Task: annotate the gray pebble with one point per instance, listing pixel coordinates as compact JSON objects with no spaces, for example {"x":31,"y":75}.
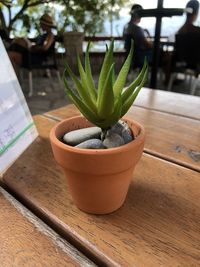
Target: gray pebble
{"x":78,"y":136}
{"x":123,"y":123}
{"x":121,"y":128}
{"x":117,"y":128}
{"x":127,"y":136}
{"x":113,"y":140}
{"x":91,"y":144}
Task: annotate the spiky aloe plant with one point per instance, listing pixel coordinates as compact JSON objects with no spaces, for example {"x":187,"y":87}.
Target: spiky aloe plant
{"x":108,"y":103}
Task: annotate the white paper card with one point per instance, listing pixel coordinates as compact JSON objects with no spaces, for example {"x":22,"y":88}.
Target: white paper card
{"x":17,"y":129}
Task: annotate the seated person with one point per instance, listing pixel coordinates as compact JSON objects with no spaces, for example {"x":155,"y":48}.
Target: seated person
{"x":192,"y":9}
{"x":21,"y":50}
{"x":142,"y":46}
{"x":188,"y":28}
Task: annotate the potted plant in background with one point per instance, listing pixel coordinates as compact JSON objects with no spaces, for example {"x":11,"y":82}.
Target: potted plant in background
{"x":73,"y":43}
{"x":99,"y":175}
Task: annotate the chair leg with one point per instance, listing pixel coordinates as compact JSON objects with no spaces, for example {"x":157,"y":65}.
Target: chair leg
{"x":161,"y":75}
{"x":48,"y":73}
{"x":59,"y":78}
{"x":30,"y":80}
{"x":172,"y":78}
{"x":194,"y":86}
{"x":190,"y":81}
{"x":21,"y":75}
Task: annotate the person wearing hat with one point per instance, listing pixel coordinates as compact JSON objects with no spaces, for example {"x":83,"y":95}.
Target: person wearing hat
{"x":21,"y":50}
{"x":192,"y":10}
{"x":188,"y":29}
{"x":142,"y":46}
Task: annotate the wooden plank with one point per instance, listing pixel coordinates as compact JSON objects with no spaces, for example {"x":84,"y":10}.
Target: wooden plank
{"x":26,"y":241}
{"x":173,"y":103}
{"x":157,"y":226}
{"x":171,"y":137}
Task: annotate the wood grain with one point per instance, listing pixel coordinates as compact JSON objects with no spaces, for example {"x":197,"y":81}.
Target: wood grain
{"x":173,"y":103}
{"x":157,"y":226}
{"x":23,"y":242}
{"x":171,"y":137}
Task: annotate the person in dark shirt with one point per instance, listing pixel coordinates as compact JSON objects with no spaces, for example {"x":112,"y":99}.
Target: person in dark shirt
{"x":187,"y":29}
{"x":142,"y":46}
{"x":21,"y":49}
{"x":192,"y":10}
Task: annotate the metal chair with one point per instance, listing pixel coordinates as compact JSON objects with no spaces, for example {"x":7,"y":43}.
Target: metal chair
{"x":50,"y":63}
{"x":186,"y":59}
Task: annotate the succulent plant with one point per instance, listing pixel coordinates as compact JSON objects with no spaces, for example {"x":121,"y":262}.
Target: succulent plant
{"x":111,"y":101}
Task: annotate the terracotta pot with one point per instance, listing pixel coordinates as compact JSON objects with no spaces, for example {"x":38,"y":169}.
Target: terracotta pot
{"x":98,"y":179}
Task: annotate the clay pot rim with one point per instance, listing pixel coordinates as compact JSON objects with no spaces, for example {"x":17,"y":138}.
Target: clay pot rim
{"x":114,"y":150}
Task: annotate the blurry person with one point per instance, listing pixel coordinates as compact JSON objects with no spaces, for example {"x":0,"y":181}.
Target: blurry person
{"x":192,"y":10}
{"x":21,"y":50}
{"x":142,"y":46}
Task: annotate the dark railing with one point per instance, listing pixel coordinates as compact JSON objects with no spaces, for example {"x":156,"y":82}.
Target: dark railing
{"x":96,"y":57}
{"x":102,"y":38}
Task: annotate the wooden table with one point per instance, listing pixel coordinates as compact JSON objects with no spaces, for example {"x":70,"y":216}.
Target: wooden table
{"x":159,"y":224}
{"x":27,"y":241}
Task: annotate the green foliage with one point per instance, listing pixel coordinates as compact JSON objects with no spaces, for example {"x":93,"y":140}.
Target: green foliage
{"x":107,"y":104}
{"x":70,"y":15}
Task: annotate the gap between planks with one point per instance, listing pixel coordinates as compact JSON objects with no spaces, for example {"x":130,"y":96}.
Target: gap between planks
{"x":69,"y":242}
{"x":65,"y":246}
{"x":71,"y":238}
{"x":146,"y":151}
{"x":166,"y":112}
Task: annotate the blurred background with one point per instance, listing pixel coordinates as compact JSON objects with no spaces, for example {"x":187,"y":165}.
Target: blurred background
{"x":97,"y":21}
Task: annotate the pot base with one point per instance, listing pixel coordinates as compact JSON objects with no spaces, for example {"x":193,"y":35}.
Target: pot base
{"x":92,"y":212}
{"x":99,"y":194}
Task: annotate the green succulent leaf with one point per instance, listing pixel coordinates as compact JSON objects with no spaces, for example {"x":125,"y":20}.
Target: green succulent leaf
{"x":121,"y":79}
{"x":82,"y":91}
{"x":90,"y":81}
{"x":114,"y":117}
{"x":129,"y":90}
{"x":84,"y":81}
{"x":107,"y":105}
{"x":108,"y":61}
{"x":129,"y":101}
{"x":113,"y":77}
{"x":105,"y":100}
{"x":84,"y":109}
